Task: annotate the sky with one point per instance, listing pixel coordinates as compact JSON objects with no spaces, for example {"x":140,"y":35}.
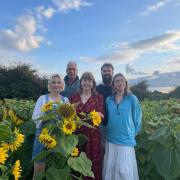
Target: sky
{"x":140,"y":38}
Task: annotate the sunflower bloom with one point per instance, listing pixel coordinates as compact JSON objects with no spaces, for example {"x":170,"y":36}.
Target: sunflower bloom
{"x":46,"y":107}
{"x":95,"y":117}
{"x":17,"y":170}
{"x":17,"y":141}
{"x":67,"y":111}
{"x":19,"y":121}
{"x":15,"y":119}
{"x":46,"y":139}
{"x":12,"y":115}
{"x":3,"y":155}
{"x":69,"y":126}
{"x":5,"y":113}
{"x":75,"y":152}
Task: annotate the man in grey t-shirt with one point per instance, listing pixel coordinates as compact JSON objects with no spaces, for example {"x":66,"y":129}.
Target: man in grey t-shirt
{"x":71,"y":80}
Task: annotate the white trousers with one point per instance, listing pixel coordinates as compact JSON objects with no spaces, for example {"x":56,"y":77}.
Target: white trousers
{"x":119,"y":163}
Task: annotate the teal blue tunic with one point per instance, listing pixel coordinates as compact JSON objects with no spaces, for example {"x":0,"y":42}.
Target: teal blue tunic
{"x":124,"y":120}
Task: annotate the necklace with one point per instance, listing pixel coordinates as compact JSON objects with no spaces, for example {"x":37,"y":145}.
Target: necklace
{"x":85,"y":98}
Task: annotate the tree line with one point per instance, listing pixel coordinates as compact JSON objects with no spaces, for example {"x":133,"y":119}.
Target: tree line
{"x":23,"y":82}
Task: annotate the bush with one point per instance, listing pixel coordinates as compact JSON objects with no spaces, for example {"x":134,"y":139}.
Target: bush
{"x":21,"y":82}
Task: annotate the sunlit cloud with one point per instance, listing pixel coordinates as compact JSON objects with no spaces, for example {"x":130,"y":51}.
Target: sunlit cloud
{"x":42,"y":11}
{"x":155,"y":7}
{"x":23,"y":36}
{"x":128,"y":52}
{"x":67,"y":5}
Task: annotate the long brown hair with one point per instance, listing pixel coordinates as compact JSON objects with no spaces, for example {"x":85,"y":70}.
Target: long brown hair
{"x":126,"y":89}
{"x":88,"y":76}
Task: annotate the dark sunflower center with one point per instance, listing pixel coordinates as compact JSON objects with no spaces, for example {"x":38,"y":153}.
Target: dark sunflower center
{"x":69,"y":126}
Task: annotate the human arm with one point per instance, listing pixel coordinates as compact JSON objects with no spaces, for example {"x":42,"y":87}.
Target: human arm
{"x":37,"y":111}
{"x":137,"y":114}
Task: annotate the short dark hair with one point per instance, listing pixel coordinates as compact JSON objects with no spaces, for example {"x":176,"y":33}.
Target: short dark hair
{"x":107,"y":65}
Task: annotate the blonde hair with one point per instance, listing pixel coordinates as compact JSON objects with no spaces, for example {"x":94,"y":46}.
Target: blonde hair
{"x":51,"y":79}
{"x":126,"y":89}
{"x":89,"y":76}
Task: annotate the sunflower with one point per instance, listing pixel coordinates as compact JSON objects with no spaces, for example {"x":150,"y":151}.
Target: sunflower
{"x":69,"y":126}
{"x":3,"y":155}
{"x":17,"y":141}
{"x":19,"y":121}
{"x":95,"y":117}
{"x":75,"y":152}
{"x":46,"y":139}
{"x":13,"y":116}
{"x":5,"y":113}
{"x":46,"y":107}
{"x":16,"y":171}
{"x":67,"y":111}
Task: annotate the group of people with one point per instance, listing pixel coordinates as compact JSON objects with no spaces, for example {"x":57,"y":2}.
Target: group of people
{"x":110,"y":146}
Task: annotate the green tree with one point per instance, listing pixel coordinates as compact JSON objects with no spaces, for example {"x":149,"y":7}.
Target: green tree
{"x":175,"y":93}
{"x":140,"y":90}
{"x":21,"y":82}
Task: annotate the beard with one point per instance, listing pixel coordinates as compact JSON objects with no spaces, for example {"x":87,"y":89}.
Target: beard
{"x":107,"y":79}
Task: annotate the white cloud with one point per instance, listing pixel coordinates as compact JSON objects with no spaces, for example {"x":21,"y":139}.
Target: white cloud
{"x":128,"y":52}
{"x":154,"y":8}
{"x":23,"y":36}
{"x":66,"y":5}
{"x":171,"y":64}
{"x":9,"y":58}
{"x":131,"y":70}
{"x":174,"y":60}
{"x":42,"y":11}
{"x":165,"y":42}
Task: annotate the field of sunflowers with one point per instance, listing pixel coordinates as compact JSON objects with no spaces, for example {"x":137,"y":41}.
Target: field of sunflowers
{"x":158,"y":149}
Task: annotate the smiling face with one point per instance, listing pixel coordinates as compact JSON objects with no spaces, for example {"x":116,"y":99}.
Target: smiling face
{"x":55,"y":85}
{"x":87,"y":84}
{"x":119,"y":84}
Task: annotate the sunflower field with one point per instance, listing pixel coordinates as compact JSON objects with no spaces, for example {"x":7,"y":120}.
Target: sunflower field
{"x":158,"y":144}
{"x":59,"y":136}
{"x":158,"y":149}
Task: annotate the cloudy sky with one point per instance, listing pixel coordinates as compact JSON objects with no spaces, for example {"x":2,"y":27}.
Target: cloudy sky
{"x":140,"y":38}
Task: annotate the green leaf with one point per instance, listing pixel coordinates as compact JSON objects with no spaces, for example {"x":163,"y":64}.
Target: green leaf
{"x":4,"y":178}
{"x":48,"y":116}
{"x":81,"y":164}
{"x":3,"y":168}
{"x":5,"y":133}
{"x":56,"y":160}
{"x":82,"y":139}
{"x":57,"y":174}
{"x":160,"y":135}
{"x":28,"y":128}
{"x":167,"y":161}
{"x":42,"y":155}
{"x":83,"y":123}
{"x":66,"y":144}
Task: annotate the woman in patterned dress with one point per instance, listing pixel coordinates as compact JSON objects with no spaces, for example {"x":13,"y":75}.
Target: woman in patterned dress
{"x":86,"y":101}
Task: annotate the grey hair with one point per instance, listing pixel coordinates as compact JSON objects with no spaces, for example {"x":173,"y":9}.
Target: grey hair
{"x":51,"y":79}
{"x":71,"y":62}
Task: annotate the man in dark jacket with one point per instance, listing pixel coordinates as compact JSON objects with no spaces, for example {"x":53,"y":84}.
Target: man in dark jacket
{"x":71,"y":80}
{"x":105,"y":89}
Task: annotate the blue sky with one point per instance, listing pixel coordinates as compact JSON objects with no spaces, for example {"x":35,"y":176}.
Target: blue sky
{"x":137,"y":37}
